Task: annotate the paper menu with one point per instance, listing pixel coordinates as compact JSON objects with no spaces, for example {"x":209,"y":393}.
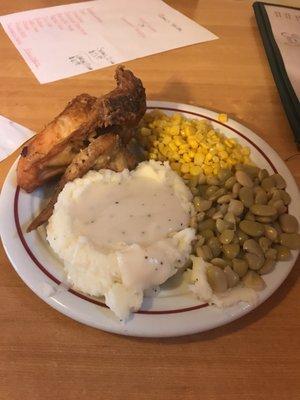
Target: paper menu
{"x":68,"y":40}
{"x":285,"y":25}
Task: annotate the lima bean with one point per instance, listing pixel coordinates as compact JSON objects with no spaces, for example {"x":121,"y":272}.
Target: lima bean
{"x":231,"y":276}
{"x":231,"y":250}
{"x":254,"y":281}
{"x":240,"y":266}
{"x":290,"y":240}
{"x":254,"y":261}
{"x":251,"y":246}
{"x":243,"y":178}
{"x":236,"y":207}
{"x":216,"y":278}
{"x":252,"y":228}
{"x":246,"y":196}
{"x":268,"y":266}
{"x":226,"y":236}
{"x":283,"y":253}
{"x":271,"y":233}
{"x":288,"y":223}
{"x":280,"y":183}
{"x":215,"y":246}
{"x":263,"y":210}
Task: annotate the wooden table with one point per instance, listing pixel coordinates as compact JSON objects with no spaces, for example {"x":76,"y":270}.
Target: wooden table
{"x":45,"y":355}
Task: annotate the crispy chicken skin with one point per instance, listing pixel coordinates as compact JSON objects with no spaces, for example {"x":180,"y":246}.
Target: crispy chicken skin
{"x":52,"y":141}
{"x":50,"y":152}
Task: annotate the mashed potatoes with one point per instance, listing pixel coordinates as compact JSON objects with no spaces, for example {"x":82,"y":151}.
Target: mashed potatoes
{"x":119,"y":234}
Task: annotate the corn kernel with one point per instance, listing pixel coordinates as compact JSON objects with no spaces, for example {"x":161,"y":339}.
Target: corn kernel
{"x":186,"y":157}
{"x":220,"y":147}
{"x":208,"y":157}
{"x":216,"y":170}
{"x":227,"y":143}
{"x":207,"y":169}
{"x":195,"y":170}
{"x":192,"y":142}
{"x":173,"y":146}
{"x":185,"y":168}
{"x":199,"y":138}
{"x":175,"y":166}
{"x":161,"y":147}
{"x":167,"y":139}
{"x":223,"y":155}
{"x":176,"y":117}
{"x":174,"y":130}
{"x":178,"y":140}
{"x":245,"y":151}
{"x":223,"y":118}
{"x":189,"y":130}
{"x":198,"y":159}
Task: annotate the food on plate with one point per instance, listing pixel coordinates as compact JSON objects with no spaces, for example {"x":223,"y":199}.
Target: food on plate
{"x":191,"y":146}
{"x":85,"y":118}
{"x":120,"y":233}
{"x":223,"y":118}
{"x":197,"y":206}
{"x":48,"y":153}
{"x":243,"y":228}
{"x":206,"y":280}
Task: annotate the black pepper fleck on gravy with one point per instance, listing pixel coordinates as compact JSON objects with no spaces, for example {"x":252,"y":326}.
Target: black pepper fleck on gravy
{"x":137,"y":211}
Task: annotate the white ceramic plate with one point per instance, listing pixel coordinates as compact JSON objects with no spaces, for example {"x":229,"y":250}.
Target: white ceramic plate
{"x":174,"y":311}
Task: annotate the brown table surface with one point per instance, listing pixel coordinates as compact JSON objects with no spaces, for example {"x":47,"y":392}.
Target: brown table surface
{"x":45,"y":355}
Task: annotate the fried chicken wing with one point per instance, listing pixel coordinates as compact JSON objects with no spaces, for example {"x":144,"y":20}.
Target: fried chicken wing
{"x":50,"y":152}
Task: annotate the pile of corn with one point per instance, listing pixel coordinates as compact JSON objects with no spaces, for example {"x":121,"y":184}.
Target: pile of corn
{"x":191,"y":146}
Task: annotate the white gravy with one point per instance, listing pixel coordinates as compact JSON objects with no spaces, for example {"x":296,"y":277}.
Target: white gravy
{"x":140,"y":211}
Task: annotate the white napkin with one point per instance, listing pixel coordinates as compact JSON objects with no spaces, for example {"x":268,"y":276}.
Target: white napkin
{"x":12,"y":135}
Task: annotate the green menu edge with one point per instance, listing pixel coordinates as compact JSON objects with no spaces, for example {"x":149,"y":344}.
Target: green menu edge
{"x":287,"y":94}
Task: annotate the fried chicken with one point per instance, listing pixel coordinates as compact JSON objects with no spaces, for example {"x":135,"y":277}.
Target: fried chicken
{"x":48,"y":153}
{"x":84,"y":119}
